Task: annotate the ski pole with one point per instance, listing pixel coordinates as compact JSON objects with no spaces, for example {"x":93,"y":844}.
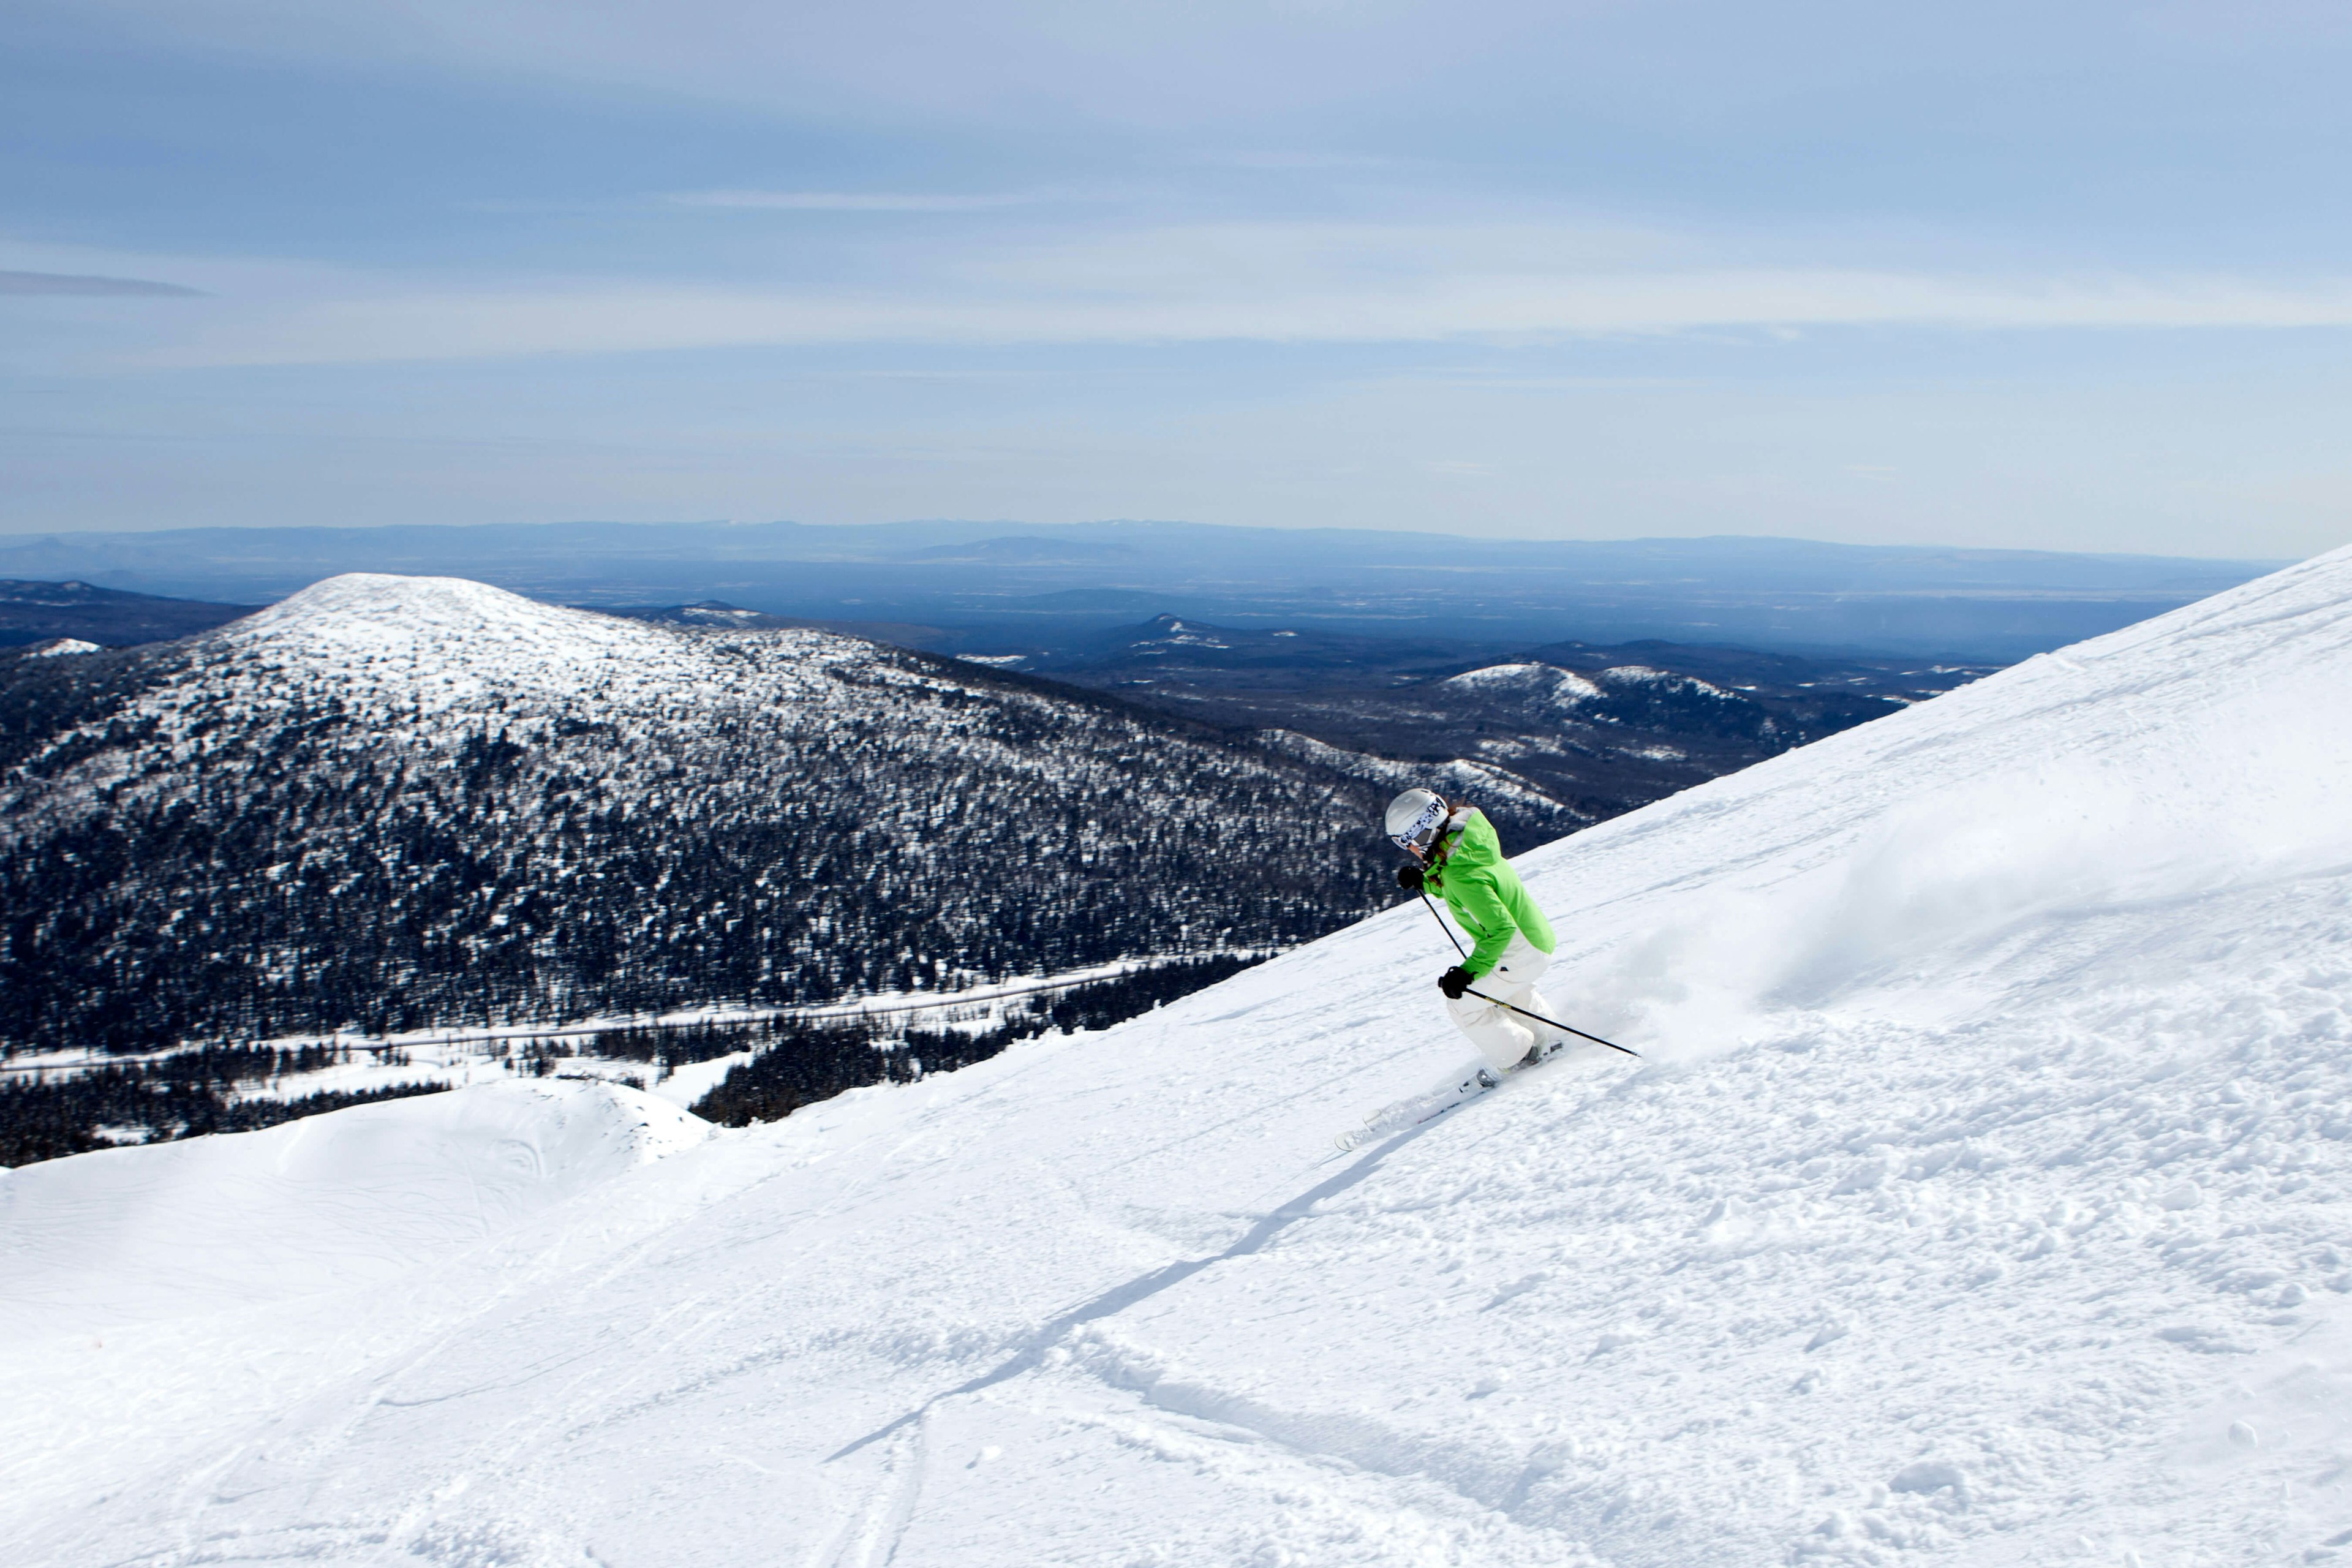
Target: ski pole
{"x":1498,"y":1002}
{"x":1555,"y":1023}
{"x":1443,"y":927}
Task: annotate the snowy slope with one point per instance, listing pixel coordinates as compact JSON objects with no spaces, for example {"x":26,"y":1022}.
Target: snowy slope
{"x":1987,"y":1198}
{"x":353,"y":1198}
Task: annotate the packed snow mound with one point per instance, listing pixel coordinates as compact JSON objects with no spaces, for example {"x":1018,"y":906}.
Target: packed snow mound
{"x":61,"y":647}
{"x":351,"y":1198}
{"x":1985,"y":1198}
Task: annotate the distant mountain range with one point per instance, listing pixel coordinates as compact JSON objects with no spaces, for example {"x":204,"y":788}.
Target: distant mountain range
{"x":1053,"y":583}
{"x":1602,"y":730}
{"x":42,"y":611}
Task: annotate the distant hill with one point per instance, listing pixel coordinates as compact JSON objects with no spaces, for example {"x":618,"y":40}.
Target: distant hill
{"x":42,"y":611}
{"x":710,"y":615}
{"x":1602,"y":730}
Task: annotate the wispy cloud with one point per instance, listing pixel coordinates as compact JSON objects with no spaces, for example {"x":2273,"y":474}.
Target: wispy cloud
{"x":848,"y":201}
{"x":1315,"y":161}
{"x":504,"y":324}
{"x":1113,"y":283}
{"x":74,"y":283}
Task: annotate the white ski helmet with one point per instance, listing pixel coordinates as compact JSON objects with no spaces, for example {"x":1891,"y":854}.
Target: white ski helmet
{"x":1415,"y":818}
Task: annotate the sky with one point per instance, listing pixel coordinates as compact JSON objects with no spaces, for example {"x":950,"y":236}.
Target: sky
{"x":2000,"y":275}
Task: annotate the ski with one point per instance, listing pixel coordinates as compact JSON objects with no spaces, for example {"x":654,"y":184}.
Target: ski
{"x":1405,"y":1113}
{"x":1398,"y":1115}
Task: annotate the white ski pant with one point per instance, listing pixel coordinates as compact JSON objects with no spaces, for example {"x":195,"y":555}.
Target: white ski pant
{"x":1502,"y":1036}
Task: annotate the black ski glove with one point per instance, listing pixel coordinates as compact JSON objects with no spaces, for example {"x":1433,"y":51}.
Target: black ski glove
{"x":1409,"y":878}
{"x":1454,"y":982}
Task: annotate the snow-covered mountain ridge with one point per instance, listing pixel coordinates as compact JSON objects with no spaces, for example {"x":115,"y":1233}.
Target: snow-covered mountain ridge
{"x":1987,"y":1198}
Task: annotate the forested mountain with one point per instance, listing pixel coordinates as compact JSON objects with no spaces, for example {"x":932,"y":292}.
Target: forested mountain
{"x":392,"y":801}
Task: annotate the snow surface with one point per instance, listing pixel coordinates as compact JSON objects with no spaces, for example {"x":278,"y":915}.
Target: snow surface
{"x":1987,"y":1198}
{"x":61,"y":647}
{"x":350,"y":1199}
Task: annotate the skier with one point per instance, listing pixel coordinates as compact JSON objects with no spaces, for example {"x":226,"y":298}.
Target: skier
{"x":1456,"y":855}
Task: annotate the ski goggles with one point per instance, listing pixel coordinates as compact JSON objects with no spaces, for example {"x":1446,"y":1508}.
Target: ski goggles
{"x":1417,"y":838}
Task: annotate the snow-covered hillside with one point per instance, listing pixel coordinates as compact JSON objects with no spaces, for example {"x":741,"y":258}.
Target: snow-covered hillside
{"x":1985,"y":1198}
{"x":364,"y":1197}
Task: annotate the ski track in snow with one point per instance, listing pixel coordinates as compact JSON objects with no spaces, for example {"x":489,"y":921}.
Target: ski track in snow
{"x":1983,"y":1199}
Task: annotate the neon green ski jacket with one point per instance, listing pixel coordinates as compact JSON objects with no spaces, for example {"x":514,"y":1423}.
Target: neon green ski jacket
{"x":1487,"y":896}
